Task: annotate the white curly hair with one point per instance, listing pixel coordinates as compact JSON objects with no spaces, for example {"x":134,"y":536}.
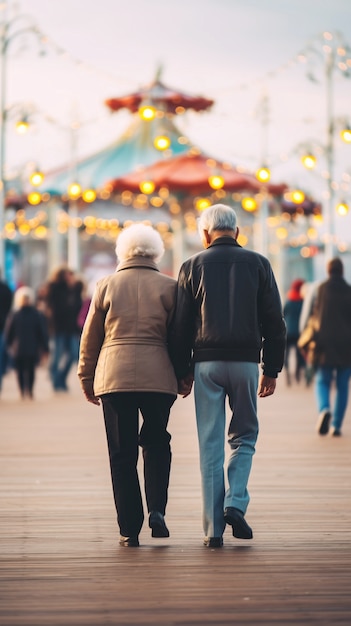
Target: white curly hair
{"x":139,"y":240}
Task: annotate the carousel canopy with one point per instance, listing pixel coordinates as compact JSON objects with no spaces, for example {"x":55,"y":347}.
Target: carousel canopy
{"x":190,"y":173}
{"x":133,"y":150}
{"x":163,"y":97}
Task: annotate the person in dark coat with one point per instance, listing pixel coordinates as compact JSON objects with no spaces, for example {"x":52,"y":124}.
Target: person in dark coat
{"x":332,"y":310}
{"x":6,"y":297}
{"x":292,"y":312}
{"x":63,"y":304}
{"x":26,"y":339}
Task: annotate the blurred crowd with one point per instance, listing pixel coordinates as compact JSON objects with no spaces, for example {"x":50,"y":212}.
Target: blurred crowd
{"x":42,"y":327}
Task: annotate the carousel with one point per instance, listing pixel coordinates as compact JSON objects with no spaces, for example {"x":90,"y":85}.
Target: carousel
{"x":152,"y":173}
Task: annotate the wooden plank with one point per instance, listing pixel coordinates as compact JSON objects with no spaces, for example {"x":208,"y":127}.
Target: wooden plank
{"x":60,"y":559}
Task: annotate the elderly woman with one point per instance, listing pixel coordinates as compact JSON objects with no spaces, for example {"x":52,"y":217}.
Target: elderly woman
{"x":124,"y":362}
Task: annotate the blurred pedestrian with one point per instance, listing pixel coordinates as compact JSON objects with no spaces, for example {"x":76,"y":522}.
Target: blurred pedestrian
{"x":228,"y":311}
{"x":26,"y":339}
{"x":6,"y":297}
{"x":124,"y":361}
{"x":292,"y":311}
{"x":63,"y":303}
{"x":332,"y":313}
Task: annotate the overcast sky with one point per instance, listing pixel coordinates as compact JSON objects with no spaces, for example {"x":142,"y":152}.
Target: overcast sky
{"x":231,"y":50}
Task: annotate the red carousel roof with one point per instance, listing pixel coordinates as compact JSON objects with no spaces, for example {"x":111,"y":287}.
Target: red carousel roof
{"x":189,"y":173}
{"x":158,"y":94}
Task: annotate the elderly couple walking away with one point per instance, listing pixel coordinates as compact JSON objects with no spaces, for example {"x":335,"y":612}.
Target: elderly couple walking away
{"x":147,"y":338}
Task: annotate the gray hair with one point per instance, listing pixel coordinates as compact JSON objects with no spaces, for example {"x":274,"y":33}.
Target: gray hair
{"x":217,"y":217}
{"x":139,"y":240}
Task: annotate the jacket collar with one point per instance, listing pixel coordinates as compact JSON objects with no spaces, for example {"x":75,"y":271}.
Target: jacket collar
{"x":224,"y":240}
{"x":138,"y":261}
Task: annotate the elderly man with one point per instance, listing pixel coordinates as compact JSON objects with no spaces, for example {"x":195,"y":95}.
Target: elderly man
{"x":228,"y":316}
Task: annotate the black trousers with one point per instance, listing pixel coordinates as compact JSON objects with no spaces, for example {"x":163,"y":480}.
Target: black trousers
{"x":25,"y":368}
{"x":121,"y":414}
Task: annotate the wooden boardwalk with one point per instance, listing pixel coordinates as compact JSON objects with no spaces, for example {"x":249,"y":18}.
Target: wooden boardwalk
{"x":60,"y":559}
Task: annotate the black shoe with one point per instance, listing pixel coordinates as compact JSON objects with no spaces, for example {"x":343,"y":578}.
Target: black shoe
{"x":336,"y":432}
{"x":323,"y":422}
{"x":129,"y":542}
{"x":213,"y":542}
{"x":158,"y":525}
{"x":235,"y":518}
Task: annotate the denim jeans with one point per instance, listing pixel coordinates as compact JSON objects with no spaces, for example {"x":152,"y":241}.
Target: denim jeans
{"x":324,"y":378}
{"x":65,"y":352}
{"x":214,"y":382}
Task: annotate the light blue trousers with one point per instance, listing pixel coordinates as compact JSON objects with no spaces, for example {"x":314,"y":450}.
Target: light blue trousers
{"x":214,"y":382}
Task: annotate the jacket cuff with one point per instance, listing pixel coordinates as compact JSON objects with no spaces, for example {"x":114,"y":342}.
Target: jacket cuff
{"x":270,"y":373}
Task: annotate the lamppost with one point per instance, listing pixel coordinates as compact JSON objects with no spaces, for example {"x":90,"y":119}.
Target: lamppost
{"x":336,"y":57}
{"x":9,"y":30}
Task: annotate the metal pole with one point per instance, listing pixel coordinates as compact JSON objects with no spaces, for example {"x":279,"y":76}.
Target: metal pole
{"x":329,"y":153}
{"x":3,"y":28}
{"x":73,"y":234}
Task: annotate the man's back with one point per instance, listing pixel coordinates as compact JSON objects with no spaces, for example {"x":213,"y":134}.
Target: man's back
{"x":231,"y":296}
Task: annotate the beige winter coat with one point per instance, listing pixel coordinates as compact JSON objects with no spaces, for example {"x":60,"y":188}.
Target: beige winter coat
{"x":124,"y":339}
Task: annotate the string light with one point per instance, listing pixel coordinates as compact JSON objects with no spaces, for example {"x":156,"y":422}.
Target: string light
{"x":36,"y":178}
{"x":34,"y":198}
{"x":147,"y":186}
{"x":147,"y":113}
{"x":74,"y":190}
{"x":162,"y":142}
{"x":309,"y":161}
{"x":216,"y":181}
{"x":345,"y":135}
{"x":342,"y":208}
{"x":249,"y":204}
{"x":89,"y":195}
{"x":263,"y":174}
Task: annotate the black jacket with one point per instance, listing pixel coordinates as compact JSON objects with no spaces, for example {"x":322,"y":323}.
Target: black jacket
{"x":228,"y":309}
{"x":26,"y":333}
{"x":333,"y":312}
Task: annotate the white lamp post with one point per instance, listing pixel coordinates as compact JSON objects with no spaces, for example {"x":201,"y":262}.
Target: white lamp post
{"x":9,"y":30}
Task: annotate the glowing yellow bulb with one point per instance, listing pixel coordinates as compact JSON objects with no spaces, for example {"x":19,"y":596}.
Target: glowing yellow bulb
{"x":346,"y":135}
{"x":89,"y":195}
{"x":342,"y":208}
{"x":249,"y":204}
{"x":263,"y":174}
{"x":297,"y":196}
{"x":40,"y":232}
{"x":34,"y":198}
{"x":147,"y":186}
{"x":216,"y":181}
{"x":162,"y":142}
{"x":202,"y":203}
{"x":281,"y":233}
{"x":22,"y":126}
{"x":36,"y":178}
{"x":309,"y":161}
{"x":147,"y":113}
{"x":74,"y":191}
